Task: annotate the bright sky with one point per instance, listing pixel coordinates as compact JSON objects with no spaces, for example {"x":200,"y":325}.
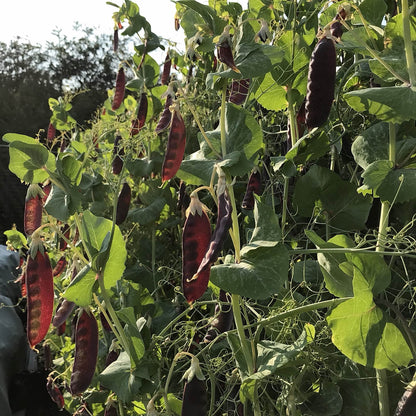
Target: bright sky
{"x":35,"y":20}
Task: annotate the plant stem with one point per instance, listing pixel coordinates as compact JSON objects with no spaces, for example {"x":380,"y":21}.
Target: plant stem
{"x":297,"y":311}
{"x":411,"y":68}
{"x":222,"y":122}
{"x":381,"y":375}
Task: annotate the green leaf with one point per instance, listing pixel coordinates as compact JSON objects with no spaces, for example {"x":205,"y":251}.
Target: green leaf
{"x":260,"y":274}
{"x":267,"y":226}
{"x":376,"y":173}
{"x":60,"y":204}
{"x":119,"y":377}
{"x":207,"y":13}
{"x":16,"y":238}
{"x":392,"y":185}
{"x":307,"y":271}
{"x":373,"y":11}
{"x":80,"y":289}
{"x":272,"y":355}
{"x":362,"y":332}
{"x":323,"y":192}
{"x":235,"y":345}
{"x":336,"y":281}
{"x":149,"y":214}
{"x":309,"y":148}
{"x":328,"y":401}
{"x":371,"y":145}
{"x":270,"y":94}
{"x":94,"y":230}
{"x":372,"y":268}
{"x":196,"y":172}
{"x":28,"y":158}
{"x":392,"y":104}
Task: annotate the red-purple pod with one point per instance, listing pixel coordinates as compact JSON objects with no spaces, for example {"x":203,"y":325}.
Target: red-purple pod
{"x":115,"y":40}
{"x":111,"y":357}
{"x":59,"y":266}
{"x":39,"y":292}
{"x":224,"y":51}
{"x":62,"y":313}
{"x":183,"y":198}
{"x":407,"y":403}
{"x":239,"y":90}
{"x":119,"y":90}
{"x":176,"y":144}
{"x":117,"y":163}
{"x":223,"y":225}
{"x":54,"y":393}
{"x":253,"y":187}
{"x":86,"y":351}
{"x":321,"y":83}
{"x":164,"y":79}
{"x":104,"y":323}
{"x":194,"y":400}
{"x":123,"y":203}
{"x":177,"y":21}
{"x":63,"y":242}
{"x":138,"y":122}
{"x":110,"y":409}
{"x":196,"y":236}
{"x":51,"y":132}
{"x":223,"y":320}
{"x":33,"y":209}
{"x":61,"y":329}
{"x":166,"y":116}
{"x":336,"y":29}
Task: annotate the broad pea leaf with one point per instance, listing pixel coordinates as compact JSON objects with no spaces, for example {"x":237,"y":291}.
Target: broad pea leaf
{"x":94,"y":230}
{"x":81,"y":287}
{"x":148,"y":214}
{"x":270,"y":94}
{"x":337,"y":281}
{"x":260,"y":274}
{"x":307,"y":271}
{"x":265,"y":260}
{"x":362,"y":332}
{"x":208,"y":14}
{"x":392,"y":104}
{"x":61,"y":204}
{"x":327,"y":402}
{"x":309,"y":148}
{"x":272,"y":355}
{"x":371,"y":145}
{"x":235,"y":345}
{"x":323,"y":191}
{"x":28,"y":157}
{"x":392,"y":185}
{"x":373,"y":11}
{"x":125,"y":382}
{"x":244,"y":140}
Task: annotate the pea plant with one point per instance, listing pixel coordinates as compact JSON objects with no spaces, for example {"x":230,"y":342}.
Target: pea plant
{"x":238,"y":219}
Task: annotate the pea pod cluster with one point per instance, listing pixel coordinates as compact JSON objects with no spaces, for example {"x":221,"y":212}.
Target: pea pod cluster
{"x":222,"y":226}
